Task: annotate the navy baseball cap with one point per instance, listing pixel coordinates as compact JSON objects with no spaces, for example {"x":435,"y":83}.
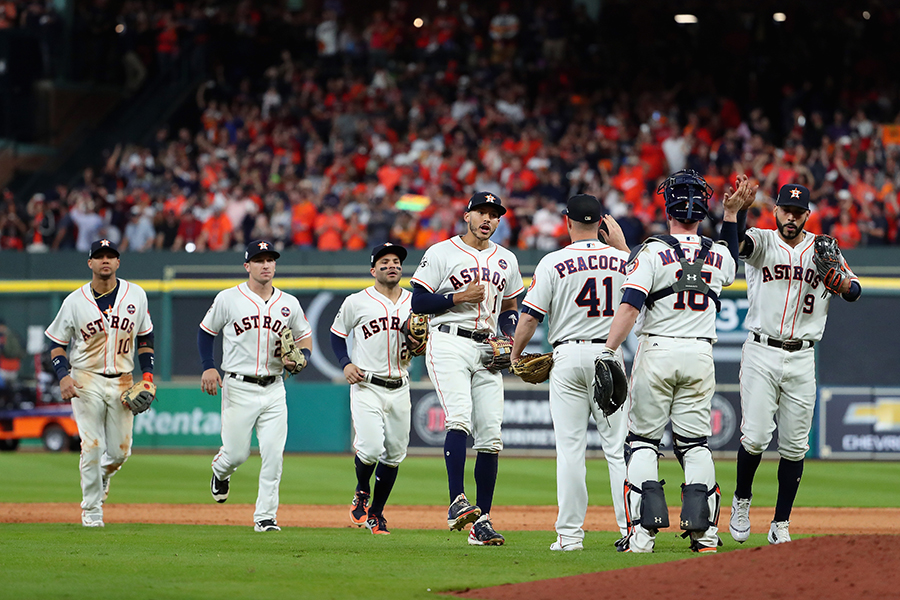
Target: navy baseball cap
{"x":482,"y":198}
{"x":104,"y":245}
{"x":584,"y":208}
{"x":388,"y":248}
{"x":257,"y":247}
{"x":793,"y":194}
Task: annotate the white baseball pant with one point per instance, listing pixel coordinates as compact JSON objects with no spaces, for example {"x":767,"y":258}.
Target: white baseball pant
{"x":381,"y":420}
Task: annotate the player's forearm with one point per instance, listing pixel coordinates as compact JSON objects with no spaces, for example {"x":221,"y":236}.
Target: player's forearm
{"x":305,"y":346}
{"x":60,"y":361}
{"x":205,"y":347}
{"x":426,"y":303}
{"x":621,"y":326}
{"x":339,"y":347}
{"x":524,"y":332}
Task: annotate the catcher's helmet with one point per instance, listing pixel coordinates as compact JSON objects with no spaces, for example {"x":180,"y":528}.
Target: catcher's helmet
{"x":687,"y":195}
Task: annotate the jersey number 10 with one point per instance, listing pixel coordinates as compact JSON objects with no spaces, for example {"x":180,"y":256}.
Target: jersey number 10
{"x":587,"y":297}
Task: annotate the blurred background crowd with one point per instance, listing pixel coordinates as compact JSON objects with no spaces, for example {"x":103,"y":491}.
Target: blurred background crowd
{"x":323,"y":125}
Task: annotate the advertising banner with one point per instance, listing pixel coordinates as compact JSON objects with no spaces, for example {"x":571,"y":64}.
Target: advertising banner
{"x":859,"y":423}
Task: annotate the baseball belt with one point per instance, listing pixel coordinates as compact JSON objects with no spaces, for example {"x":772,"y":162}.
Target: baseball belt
{"x":391,"y":384}
{"x":113,"y":376}
{"x":786,"y":345}
{"x":593,"y":341}
{"x":260,"y":381}
{"x":702,"y":339}
{"x":472,"y":335}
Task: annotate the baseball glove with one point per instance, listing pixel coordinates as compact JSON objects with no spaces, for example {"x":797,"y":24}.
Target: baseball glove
{"x":533,"y":368}
{"x":290,"y":351}
{"x":138,"y":397}
{"x":610,"y":384}
{"x":415,"y":328}
{"x":829,"y":263}
{"x":498,"y":355}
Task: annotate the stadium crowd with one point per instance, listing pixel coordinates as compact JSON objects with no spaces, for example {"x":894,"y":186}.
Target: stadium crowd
{"x":339,"y":133}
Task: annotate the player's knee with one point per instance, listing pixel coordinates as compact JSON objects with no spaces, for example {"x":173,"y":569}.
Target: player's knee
{"x":696,"y":447}
{"x":793,"y":453}
{"x":635,"y":443}
{"x":755,"y":446}
{"x":367,"y":456}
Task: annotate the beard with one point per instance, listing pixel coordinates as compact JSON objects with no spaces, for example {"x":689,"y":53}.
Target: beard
{"x":787,"y":234}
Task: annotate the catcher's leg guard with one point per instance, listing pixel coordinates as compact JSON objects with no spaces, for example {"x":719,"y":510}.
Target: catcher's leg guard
{"x":694,"y":507}
{"x":645,"y":505}
{"x":701,"y":498}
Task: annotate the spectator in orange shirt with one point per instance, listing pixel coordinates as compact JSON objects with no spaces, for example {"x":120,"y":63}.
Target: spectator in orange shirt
{"x":355,"y":235}
{"x":330,"y":226}
{"x":303,"y":218}
{"x":403,"y":232}
{"x":216,"y":233}
{"x":846,"y":232}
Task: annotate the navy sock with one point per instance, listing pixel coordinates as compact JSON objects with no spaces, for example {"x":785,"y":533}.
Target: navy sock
{"x":746,"y":470}
{"x":385,"y":477}
{"x":363,"y":474}
{"x":486,"y":479}
{"x":789,"y":474}
{"x":455,"y":458}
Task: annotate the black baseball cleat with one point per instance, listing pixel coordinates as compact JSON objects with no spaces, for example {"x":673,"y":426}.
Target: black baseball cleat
{"x":358,"y":512}
{"x":461,"y":513}
{"x":266,"y":525}
{"x":483,"y":534}
{"x":219,"y":489}
{"x":377,"y":524}
{"x":621,"y":544}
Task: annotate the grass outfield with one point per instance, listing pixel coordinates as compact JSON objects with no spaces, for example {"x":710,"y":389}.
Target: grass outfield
{"x":124,"y":561}
{"x":329,"y":479}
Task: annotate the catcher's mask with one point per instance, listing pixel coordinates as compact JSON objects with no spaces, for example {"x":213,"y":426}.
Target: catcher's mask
{"x":687,"y":195}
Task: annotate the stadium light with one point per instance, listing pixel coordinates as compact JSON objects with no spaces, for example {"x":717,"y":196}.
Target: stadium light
{"x":866,"y":15}
{"x":779,"y":17}
{"x":418,"y":22}
{"x":685,"y":19}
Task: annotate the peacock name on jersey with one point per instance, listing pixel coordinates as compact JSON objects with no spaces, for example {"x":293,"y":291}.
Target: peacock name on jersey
{"x":96,"y":326}
{"x":254,"y":322}
{"x":791,"y":273}
{"x":380,"y":324}
{"x":592,"y":262}
{"x":466,"y":276}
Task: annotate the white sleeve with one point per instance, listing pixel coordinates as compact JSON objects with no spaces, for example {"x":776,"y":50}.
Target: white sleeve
{"x":61,"y":329}
{"x":640,"y":272}
{"x":145,"y":325}
{"x":514,"y":285}
{"x":540,"y":293}
{"x":344,"y":319}
{"x":758,"y":255}
{"x":430,"y":272}
{"x":300,"y":325}
{"x":215,"y":317}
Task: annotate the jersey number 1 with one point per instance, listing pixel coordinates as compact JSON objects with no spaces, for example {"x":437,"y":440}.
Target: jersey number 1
{"x":588,"y":297}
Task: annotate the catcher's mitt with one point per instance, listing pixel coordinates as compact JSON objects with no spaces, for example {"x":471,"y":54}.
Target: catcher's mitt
{"x":498,"y":354}
{"x":610,"y":384}
{"x":290,"y":352}
{"x":829,"y":263}
{"x":138,"y":397}
{"x":415,"y":328}
{"x":533,"y":368}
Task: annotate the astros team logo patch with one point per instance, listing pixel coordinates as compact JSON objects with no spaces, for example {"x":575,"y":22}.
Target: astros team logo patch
{"x":285,"y":311}
{"x":503,"y":264}
{"x":131,"y":309}
{"x":631,"y":266}
{"x":531,"y":287}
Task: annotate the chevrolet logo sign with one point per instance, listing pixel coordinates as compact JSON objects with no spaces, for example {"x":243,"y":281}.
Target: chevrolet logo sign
{"x":883,"y":414}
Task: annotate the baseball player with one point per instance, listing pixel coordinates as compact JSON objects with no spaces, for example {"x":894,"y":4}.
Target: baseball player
{"x":379,"y":382}
{"x":577,"y":288}
{"x":671,"y":291}
{"x":778,"y":373}
{"x":99,"y":328}
{"x":469,"y":285}
{"x":251,"y":316}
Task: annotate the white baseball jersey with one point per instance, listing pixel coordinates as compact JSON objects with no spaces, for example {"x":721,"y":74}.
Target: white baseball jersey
{"x":450,"y":266}
{"x":784,"y":288}
{"x":103,"y":341}
{"x":252,"y":329}
{"x":378,"y":346}
{"x":576,"y":286}
{"x":684,"y":314}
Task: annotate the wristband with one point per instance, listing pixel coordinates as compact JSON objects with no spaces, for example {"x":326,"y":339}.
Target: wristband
{"x":61,"y":366}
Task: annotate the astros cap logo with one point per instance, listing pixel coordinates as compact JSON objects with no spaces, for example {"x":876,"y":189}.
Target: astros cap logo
{"x":104,"y":242}
{"x":263,"y":246}
{"x":795,"y":193}
{"x":490,"y":198}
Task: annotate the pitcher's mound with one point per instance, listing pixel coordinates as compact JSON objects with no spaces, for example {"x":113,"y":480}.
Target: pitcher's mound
{"x":821,"y":568}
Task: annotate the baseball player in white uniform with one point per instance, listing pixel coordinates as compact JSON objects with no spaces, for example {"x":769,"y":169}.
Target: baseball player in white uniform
{"x":578,"y":288}
{"x":671,"y":291}
{"x":469,"y":285}
{"x":778,"y":372}
{"x":251,"y":317}
{"x":379,"y":381}
{"x":100,"y":326}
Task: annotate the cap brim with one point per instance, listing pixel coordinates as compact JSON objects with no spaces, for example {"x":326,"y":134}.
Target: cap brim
{"x":400,"y":251}
{"x":500,"y":209}
{"x":99,"y":250}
